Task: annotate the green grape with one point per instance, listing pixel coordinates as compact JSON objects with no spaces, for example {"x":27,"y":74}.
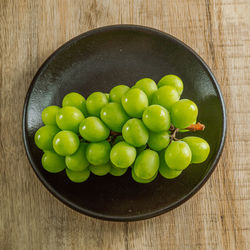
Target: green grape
{"x":93,"y":129}
{"x":172,"y":80}
{"x":95,"y":102}
{"x":148,"y":86}
{"x":140,"y":149}
{"x":78,"y":160}
{"x":69,"y":118}
{"x":97,"y":153}
{"x":118,"y":139}
{"x":49,"y":115}
{"x":165,"y":96}
{"x":76,"y":100}
{"x":146,"y":164}
{"x":108,"y":97}
{"x":114,"y":116}
{"x":117,"y":171}
{"x":117,"y":92}
{"x":134,"y":102}
{"x":135,"y":133}
{"x":78,"y":176}
{"x":199,"y":147}
{"x":156,"y":118}
{"x":169,"y":173}
{"x":178,"y":155}
{"x":164,"y":170}
{"x":140,"y":180}
{"x":66,"y":143}
{"x":122,"y":155}
{"x":44,"y":136}
{"x":53,"y":162}
{"x":85,"y":111}
{"x":184,"y":113}
{"x":100,"y":170}
{"x":158,"y":141}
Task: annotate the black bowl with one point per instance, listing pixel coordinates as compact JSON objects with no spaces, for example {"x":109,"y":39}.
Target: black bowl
{"x":97,"y":61}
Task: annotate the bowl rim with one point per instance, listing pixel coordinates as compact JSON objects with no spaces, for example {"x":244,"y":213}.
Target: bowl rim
{"x":130,"y":217}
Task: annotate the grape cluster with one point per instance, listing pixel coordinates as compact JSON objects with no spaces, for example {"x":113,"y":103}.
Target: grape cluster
{"x":129,"y":127}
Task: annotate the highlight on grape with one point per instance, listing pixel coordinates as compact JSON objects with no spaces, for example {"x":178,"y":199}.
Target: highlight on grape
{"x":129,"y":129}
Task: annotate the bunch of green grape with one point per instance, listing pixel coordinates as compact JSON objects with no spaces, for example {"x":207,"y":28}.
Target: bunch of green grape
{"x":128,"y":128}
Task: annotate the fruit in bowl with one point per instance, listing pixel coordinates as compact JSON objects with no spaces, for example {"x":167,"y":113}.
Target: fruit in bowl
{"x":133,"y":127}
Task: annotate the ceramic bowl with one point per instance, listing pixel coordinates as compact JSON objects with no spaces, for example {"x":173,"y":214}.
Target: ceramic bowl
{"x":97,"y":61}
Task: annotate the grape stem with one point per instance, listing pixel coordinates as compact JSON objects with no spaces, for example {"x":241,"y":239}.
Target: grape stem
{"x":113,"y":133}
{"x":173,"y":134}
{"x":172,"y":128}
{"x":196,"y":127}
{"x":113,"y":136}
{"x":193,"y":127}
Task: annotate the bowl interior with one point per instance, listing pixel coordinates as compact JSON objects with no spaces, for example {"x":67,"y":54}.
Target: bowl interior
{"x":97,"y":61}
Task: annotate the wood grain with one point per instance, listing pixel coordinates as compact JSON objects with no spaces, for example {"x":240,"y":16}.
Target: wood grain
{"x":218,"y":217}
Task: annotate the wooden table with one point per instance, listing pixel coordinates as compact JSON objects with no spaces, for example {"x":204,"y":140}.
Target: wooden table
{"x":217,"y":217}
